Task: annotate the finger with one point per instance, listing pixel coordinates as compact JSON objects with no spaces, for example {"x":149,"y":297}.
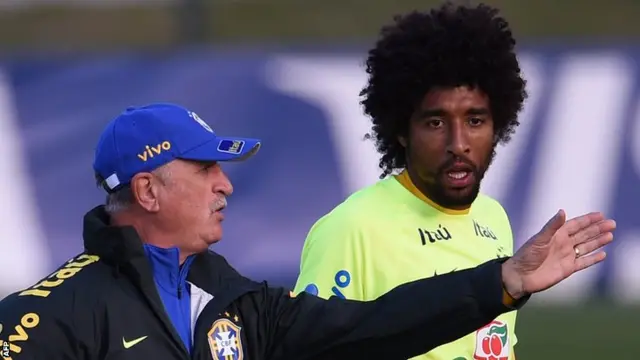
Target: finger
{"x":578,"y":223}
{"x":594,"y":244}
{"x":593,"y":230}
{"x":590,"y":260}
{"x":553,"y":225}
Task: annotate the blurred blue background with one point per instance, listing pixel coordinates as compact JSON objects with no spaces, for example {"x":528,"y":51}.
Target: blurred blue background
{"x":289,"y":72}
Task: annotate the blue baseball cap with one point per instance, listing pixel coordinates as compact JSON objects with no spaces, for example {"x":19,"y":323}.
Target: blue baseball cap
{"x":144,"y":138}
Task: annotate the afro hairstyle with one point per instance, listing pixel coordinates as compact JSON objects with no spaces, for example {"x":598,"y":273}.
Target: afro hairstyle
{"x":447,"y":47}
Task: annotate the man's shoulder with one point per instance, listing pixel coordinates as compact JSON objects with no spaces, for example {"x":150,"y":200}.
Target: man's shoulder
{"x":362,"y":207}
{"x":211,"y":270}
{"x":376,"y":193}
{"x":488,"y":205}
{"x":210,"y":262}
{"x":83,"y":273}
{"x":69,"y":291}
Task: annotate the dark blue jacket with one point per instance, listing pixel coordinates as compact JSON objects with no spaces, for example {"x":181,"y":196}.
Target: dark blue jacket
{"x":105,"y":304}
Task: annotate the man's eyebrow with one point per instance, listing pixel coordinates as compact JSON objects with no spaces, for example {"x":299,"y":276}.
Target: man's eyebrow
{"x":431,"y":113}
{"x":478,"y":111}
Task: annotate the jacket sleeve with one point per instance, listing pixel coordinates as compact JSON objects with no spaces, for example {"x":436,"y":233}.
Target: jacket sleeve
{"x":38,"y":328}
{"x":409,"y":320}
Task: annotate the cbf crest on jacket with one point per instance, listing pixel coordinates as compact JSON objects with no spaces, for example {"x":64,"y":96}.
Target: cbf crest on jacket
{"x":103,"y":304}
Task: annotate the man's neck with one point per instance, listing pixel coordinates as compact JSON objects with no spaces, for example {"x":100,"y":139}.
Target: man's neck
{"x":148,"y":233}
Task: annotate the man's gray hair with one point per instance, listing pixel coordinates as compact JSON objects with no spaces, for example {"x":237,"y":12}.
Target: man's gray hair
{"x":119,"y":200}
{"x":122,"y":199}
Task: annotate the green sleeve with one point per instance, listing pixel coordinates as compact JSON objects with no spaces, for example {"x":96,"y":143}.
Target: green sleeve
{"x":332,"y":259}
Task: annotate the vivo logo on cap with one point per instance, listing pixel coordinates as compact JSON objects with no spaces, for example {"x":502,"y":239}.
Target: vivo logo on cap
{"x":151,"y":151}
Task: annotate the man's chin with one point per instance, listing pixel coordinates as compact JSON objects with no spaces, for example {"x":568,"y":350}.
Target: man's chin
{"x":460,"y":198}
{"x":213,"y":241}
{"x":214,"y":235}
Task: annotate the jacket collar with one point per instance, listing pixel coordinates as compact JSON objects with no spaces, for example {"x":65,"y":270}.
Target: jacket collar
{"x":122,"y":247}
{"x":117,"y":245}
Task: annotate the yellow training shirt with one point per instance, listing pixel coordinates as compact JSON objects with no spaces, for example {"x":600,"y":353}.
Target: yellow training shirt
{"x":389,"y":234}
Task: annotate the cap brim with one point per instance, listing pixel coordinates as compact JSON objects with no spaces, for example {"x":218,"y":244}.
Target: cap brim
{"x":224,"y":149}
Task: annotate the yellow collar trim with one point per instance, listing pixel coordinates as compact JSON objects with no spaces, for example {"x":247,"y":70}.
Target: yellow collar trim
{"x":404,"y":179}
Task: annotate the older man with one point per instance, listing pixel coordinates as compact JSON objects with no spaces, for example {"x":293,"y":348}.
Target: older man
{"x":146,"y":287}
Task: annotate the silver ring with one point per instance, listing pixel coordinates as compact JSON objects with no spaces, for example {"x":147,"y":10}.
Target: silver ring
{"x":577,"y":251}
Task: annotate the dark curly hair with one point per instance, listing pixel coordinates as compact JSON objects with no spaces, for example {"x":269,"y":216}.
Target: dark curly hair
{"x":446,"y":47}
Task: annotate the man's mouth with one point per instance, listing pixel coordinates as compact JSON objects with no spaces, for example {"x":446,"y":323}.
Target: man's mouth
{"x":219,"y":205}
{"x":459,"y":175}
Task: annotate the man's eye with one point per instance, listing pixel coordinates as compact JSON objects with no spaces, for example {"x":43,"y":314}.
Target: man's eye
{"x":435,"y":123}
{"x":475,"y":121}
{"x":206,"y":167}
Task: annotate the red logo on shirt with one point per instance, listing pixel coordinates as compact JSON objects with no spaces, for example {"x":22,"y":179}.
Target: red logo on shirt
{"x":492,"y":342}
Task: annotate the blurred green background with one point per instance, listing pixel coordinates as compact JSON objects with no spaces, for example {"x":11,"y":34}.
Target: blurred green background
{"x":135,"y":24}
{"x":596,"y":330}
{"x":586,"y":332}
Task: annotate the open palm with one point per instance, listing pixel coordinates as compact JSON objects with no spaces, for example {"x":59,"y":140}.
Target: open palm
{"x":559,"y":250}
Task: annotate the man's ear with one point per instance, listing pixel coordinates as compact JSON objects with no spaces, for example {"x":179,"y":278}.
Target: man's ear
{"x":403,"y":141}
{"x":145,"y":191}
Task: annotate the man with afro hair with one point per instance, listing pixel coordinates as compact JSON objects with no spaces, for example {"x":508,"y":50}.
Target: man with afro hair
{"x":444,"y":90}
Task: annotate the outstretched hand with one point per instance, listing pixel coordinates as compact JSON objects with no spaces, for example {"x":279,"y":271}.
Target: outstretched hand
{"x":559,"y":250}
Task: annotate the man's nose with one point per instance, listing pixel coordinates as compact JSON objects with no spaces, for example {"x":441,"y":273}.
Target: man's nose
{"x":223,"y":184}
{"x":458,"y":143}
